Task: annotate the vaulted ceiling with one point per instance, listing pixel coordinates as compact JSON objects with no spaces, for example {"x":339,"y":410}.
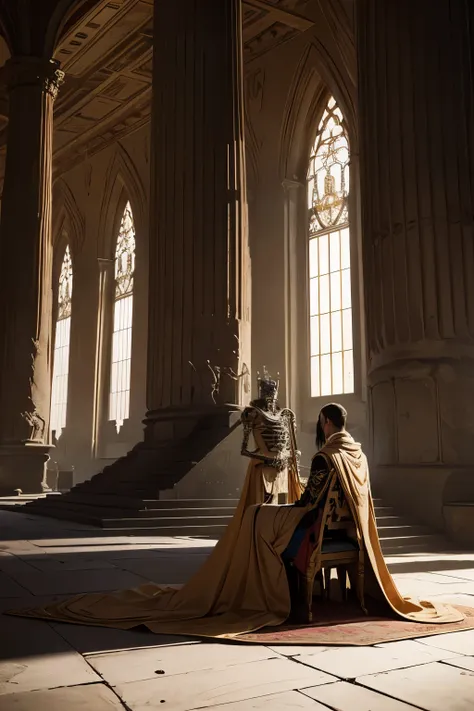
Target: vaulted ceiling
{"x":106,"y":51}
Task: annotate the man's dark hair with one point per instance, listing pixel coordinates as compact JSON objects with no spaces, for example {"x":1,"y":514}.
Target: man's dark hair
{"x":335,"y":414}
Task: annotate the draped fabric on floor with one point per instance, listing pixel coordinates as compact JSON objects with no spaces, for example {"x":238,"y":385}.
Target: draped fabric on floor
{"x":243,"y":586}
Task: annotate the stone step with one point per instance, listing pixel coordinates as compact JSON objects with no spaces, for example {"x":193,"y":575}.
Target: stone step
{"x":402,"y":530}
{"x":159,"y":481}
{"x":101,"y":513}
{"x":110,"y":518}
{"x":188,"y":503}
{"x":121,"y":501}
{"x":155,"y":504}
{"x":143,"y":513}
{"x":61,"y":512}
{"x":180,"y":519}
{"x":137,"y":527}
{"x":213,"y":532}
{"x":395,"y":520}
{"x":7,"y":502}
{"x":193,"y":512}
{"x":406,"y":539}
{"x":139,"y":505}
{"x":172,"y":512}
{"x":433,"y":543}
{"x":106,"y":500}
{"x":178,"y":522}
{"x":407,"y":550}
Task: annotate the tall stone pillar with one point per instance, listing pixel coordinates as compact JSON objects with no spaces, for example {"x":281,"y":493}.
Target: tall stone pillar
{"x":199,"y":269}
{"x":25,"y":274}
{"x":199,"y":263}
{"x":416,"y":104}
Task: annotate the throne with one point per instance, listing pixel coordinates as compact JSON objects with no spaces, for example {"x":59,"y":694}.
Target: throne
{"x":337,"y":548}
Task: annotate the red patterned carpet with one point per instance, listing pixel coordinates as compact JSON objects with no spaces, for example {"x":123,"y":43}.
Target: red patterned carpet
{"x":348,"y":627}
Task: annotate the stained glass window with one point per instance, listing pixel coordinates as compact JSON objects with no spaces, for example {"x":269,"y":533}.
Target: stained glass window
{"x":119,"y":399}
{"x":330,"y":299}
{"x":61,"y":348}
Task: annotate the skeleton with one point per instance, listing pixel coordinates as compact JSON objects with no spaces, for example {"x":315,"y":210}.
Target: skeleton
{"x":273,"y":433}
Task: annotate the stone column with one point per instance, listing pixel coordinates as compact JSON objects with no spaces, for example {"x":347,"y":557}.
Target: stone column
{"x":199,"y":262}
{"x":416,"y":107}
{"x":25,"y":274}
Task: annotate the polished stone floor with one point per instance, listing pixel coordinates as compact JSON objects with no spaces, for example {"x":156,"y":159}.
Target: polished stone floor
{"x":58,"y":667}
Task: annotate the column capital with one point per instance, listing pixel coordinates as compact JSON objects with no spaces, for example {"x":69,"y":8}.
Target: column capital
{"x":33,"y":71}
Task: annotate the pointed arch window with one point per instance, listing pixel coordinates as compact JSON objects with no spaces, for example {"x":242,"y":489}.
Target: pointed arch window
{"x":330,"y":299}
{"x":119,"y":397}
{"x":61,"y":348}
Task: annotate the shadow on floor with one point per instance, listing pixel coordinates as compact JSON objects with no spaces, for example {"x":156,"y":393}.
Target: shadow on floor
{"x":429,"y":566}
{"x":44,"y":556}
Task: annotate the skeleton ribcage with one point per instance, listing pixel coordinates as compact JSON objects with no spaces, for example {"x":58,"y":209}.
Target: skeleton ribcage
{"x":275,"y":435}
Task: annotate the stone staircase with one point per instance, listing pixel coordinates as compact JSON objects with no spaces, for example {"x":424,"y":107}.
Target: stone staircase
{"x":132,"y":495}
{"x":118,"y":515}
{"x":400,"y":534}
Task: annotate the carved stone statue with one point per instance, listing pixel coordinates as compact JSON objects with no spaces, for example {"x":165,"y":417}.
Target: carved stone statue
{"x":37,"y":425}
{"x":275,"y":459}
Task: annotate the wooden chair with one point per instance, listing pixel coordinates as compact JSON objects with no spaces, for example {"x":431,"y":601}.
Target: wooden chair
{"x":343,"y":553}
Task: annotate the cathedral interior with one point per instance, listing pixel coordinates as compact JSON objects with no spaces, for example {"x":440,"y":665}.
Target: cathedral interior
{"x":196,"y":194}
{"x":193,"y":192}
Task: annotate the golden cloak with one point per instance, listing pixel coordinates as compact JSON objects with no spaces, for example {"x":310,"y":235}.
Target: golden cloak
{"x":243,"y":585}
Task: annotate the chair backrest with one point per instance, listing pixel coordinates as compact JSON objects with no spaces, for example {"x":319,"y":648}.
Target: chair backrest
{"x":338,"y":515}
